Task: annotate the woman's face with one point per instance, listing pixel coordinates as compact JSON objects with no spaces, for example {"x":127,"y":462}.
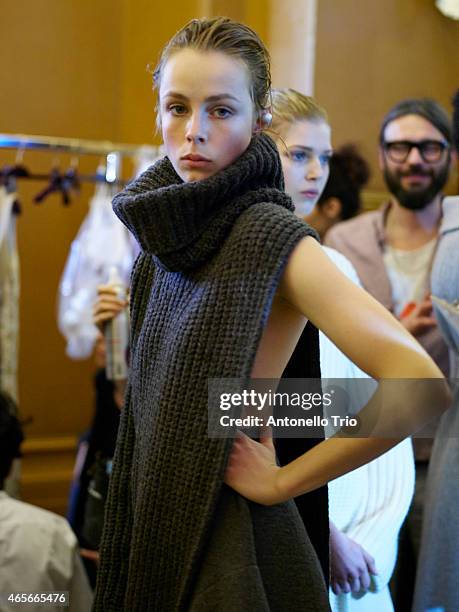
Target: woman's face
{"x":306,"y":162}
{"x":207,"y":113}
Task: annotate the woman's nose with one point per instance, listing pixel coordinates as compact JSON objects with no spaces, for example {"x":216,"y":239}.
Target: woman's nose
{"x":314,"y":169}
{"x":196,"y":129}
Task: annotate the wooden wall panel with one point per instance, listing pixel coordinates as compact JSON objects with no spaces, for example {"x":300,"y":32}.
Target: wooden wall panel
{"x":47,"y":467}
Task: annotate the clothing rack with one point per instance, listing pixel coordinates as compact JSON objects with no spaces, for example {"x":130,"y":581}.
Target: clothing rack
{"x":113,"y":152}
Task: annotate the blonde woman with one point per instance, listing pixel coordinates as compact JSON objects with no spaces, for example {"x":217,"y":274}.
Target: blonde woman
{"x":367,"y":506}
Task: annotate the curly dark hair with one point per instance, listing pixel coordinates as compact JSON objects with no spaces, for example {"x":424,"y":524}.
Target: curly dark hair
{"x":11,"y":435}
{"x":349,"y":172}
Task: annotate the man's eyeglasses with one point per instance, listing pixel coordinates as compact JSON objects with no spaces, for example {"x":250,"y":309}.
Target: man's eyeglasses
{"x":431,"y":151}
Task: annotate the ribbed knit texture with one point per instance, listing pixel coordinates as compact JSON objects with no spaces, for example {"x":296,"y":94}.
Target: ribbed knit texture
{"x":212,"y":255}
{"x":368,"y":504}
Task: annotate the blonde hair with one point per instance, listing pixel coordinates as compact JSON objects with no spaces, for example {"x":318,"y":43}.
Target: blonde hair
{"x":229,"y":37}
{"x":288,"y":106}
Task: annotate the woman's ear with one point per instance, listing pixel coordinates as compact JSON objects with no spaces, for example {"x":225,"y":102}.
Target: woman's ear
{"x":332,"y":208}
{"x":264,"y":120}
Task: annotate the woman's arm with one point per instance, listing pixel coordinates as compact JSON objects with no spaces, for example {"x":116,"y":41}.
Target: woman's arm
{"x":373,"y":339}
{"x":353,"y":320}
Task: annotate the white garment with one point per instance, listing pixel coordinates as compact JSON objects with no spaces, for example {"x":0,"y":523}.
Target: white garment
{"x":9,"y":296}
{"x":409,"y":273}
{"x":39,"y":552}
{"x":9,"y":314}
{"x":368,"y":504}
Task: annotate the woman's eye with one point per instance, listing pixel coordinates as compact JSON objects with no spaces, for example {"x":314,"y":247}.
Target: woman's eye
{"x":177,"y":109}
{"x":222,"y":113}
{"x":324,"y":160}
{"x":298,"y":156}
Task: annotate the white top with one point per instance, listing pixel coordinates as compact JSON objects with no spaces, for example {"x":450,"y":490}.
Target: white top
{"x":409,"y":273}
{"x":39,"y":552}
{"x":369,"y":504}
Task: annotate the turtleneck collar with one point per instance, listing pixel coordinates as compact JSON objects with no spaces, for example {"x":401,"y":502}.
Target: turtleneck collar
{"x":183,"y":224}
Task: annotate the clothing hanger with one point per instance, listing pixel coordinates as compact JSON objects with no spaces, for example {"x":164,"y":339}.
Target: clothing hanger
{"x":8,"y":176}
{"x":61,"y":183}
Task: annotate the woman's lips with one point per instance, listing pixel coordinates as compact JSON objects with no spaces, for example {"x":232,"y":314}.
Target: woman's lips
{"x":310,"y":193}
{"x":193,"y":160}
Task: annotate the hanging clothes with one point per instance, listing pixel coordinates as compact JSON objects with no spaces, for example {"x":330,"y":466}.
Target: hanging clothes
{"x":9,"y":295}
{"x":101,"y":243}
{"x":9,"y":314}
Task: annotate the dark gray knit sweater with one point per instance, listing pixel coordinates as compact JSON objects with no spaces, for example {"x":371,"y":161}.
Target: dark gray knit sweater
{"x":175,"y":538}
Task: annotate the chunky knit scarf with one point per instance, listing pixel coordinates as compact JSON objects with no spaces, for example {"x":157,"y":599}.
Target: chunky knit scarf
{"x":212,"y":255}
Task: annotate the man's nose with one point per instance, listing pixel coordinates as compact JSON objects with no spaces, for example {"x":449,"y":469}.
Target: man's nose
{"x":414,"y":156}
{"x":196,"y":129}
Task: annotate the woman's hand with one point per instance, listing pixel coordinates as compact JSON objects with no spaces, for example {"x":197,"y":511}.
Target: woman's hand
{"x":351,"y":566}
{"x":420,"y":318}
{"x":252,"y":470}
{"x":107,"y":306}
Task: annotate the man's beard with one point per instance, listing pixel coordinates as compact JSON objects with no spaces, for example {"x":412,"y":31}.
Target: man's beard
{"x":416,"y":199}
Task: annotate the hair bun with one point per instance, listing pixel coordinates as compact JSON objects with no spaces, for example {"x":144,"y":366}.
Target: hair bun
{"x":348,"y":159}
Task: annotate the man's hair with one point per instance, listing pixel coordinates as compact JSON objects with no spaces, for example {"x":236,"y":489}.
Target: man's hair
{"x":11,"y":436}
{"x":456,"y":120}
{"x":427,"y":108}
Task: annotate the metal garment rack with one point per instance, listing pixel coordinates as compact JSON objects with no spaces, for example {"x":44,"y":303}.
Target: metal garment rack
{"x":113,"y":152}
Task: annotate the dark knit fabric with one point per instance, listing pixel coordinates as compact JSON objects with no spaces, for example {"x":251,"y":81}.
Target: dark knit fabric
{"x":175,"y":538}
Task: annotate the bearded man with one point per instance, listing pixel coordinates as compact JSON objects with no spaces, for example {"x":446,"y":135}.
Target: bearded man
{"x":392,"y":250}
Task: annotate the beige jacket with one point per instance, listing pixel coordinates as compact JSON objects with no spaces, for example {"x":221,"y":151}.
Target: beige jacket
{"x":362,"y":240}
